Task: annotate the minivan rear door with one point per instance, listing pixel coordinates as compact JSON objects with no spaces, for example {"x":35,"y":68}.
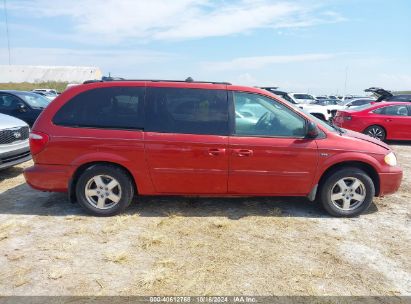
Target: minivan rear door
{"x":186,"y":139}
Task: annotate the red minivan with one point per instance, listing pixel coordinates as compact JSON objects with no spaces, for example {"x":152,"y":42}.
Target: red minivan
{"x":105,"y":141}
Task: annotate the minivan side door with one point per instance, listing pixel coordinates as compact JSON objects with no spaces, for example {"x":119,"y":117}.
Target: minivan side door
{"x":186,"y":140}
{"x":269,"y":154}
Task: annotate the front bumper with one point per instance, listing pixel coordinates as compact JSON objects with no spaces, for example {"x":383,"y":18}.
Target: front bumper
{"x":53,"y":178}
{"x":15,"y":157}
{"x":390,"y":182}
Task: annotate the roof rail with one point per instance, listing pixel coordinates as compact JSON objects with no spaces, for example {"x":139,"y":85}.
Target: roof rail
{"x":268,"y":88}
{"x":188,"y":80}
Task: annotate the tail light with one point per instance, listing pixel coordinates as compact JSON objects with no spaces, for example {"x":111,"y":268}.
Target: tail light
{"x":38,"y":142}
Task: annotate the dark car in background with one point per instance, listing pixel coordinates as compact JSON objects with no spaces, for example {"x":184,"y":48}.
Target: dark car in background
{"x":385,"y":95}
{"x":26,"y":106}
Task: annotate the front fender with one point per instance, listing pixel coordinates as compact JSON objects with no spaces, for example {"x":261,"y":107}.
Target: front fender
{"x":329,"y":159}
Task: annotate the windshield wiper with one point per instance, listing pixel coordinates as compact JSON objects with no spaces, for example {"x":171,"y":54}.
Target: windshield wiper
{"x":340,"y":130}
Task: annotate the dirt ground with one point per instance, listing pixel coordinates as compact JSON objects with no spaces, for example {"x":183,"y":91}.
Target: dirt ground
{"x":186,"y":246}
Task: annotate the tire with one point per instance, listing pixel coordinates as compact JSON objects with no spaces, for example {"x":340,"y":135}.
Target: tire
{"x":347,"y":192}
{"x":104,"y":190}
{"x":376,"y":131}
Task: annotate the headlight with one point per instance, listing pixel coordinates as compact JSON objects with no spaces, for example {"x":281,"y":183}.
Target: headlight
{"x":390,"y":159}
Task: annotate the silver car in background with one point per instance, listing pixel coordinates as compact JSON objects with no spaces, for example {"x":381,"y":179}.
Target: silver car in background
{"x":14,"y":141}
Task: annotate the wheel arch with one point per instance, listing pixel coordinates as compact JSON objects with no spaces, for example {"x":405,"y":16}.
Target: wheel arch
{"x":73,"y":180}
{"x":367,"y":168}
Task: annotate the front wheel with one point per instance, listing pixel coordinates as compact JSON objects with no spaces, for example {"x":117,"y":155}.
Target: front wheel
{"x":104,"y":190}
{"x":376,"y":132}
{"x":347,"y":192}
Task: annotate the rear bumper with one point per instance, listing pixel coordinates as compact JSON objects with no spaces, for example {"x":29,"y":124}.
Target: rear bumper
{"x":12,"y":158}
{"x":390,"y":182}
{"x":53,"y":178}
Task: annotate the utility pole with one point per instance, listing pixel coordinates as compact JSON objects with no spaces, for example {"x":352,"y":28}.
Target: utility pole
{"x":7,"y":31}
{"x":345,"y":83}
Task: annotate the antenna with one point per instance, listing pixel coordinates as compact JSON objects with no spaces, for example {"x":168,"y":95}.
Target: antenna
{"x":7,"y":31}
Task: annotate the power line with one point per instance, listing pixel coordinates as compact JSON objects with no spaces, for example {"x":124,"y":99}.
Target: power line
{"x":7,"y":31}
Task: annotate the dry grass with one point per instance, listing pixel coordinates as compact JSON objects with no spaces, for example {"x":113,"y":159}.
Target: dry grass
{"x":148,"y":241}
{"x":118,"y":257}
{"x":27,"y":86}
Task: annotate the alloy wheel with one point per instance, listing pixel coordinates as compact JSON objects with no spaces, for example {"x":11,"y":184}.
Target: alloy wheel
{"x":376,"y":132}
{"x":348,"y":193}
{"x":103,"y":191}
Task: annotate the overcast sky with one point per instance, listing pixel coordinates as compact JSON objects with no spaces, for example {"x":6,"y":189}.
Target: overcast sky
{"x":305,"y":46}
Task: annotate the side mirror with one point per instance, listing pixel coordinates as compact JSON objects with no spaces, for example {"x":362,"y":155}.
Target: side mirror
{"x":312,"y":130}
{"x":21,"y":107}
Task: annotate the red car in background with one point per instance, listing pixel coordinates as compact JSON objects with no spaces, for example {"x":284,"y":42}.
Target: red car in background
{"x":383,"y":120}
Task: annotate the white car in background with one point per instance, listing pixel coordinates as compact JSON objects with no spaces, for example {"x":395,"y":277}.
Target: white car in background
{"x":14,"y":141}
{"x":50,"y":91}
{"x":327,"y":108}
{"x":50,"y":94}
{"x":302,"y":98}
{"x":353,"y":103}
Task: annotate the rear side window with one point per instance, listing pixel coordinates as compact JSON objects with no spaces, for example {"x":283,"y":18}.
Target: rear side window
{"x":393,"y":111}
{"x":187,"y":111}
{"x":108,"y":108}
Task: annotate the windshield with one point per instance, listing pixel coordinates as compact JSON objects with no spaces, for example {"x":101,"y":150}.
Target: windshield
{"x":34,"y":100}
{"x":303,"y":96}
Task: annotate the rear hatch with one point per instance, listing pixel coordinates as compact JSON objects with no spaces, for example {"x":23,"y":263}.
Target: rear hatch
{"x":380,"y":93}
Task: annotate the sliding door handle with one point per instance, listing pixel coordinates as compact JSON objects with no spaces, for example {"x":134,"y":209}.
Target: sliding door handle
{"x":243,"y":152}
{"x":216,"y":152}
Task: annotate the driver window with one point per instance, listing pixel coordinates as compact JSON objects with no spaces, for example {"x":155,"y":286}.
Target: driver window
{"x":256,"y":115}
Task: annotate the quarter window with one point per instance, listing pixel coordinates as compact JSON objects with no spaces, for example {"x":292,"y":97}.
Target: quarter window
{"x":111,"y":108}
{"x":257,"y":115}
{"x":187,"y":111}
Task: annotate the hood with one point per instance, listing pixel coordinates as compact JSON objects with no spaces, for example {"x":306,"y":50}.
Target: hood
{"x":8,"y":122}
{"x":370,"y":139}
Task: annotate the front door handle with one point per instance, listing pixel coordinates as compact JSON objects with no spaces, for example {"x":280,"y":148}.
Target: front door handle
{"x":388,"y":120}
{"x":243,"y":152}
{"x":216,"y":151}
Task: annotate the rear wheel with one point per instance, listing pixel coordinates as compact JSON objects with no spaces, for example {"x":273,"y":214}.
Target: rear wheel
{"x":347,"y":192}
{"x":376,"y":132}
{"x":104,"y":190}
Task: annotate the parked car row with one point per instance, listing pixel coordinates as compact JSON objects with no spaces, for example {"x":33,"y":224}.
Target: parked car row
{"x":18,"y":112}
{"x":103,"y":142}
